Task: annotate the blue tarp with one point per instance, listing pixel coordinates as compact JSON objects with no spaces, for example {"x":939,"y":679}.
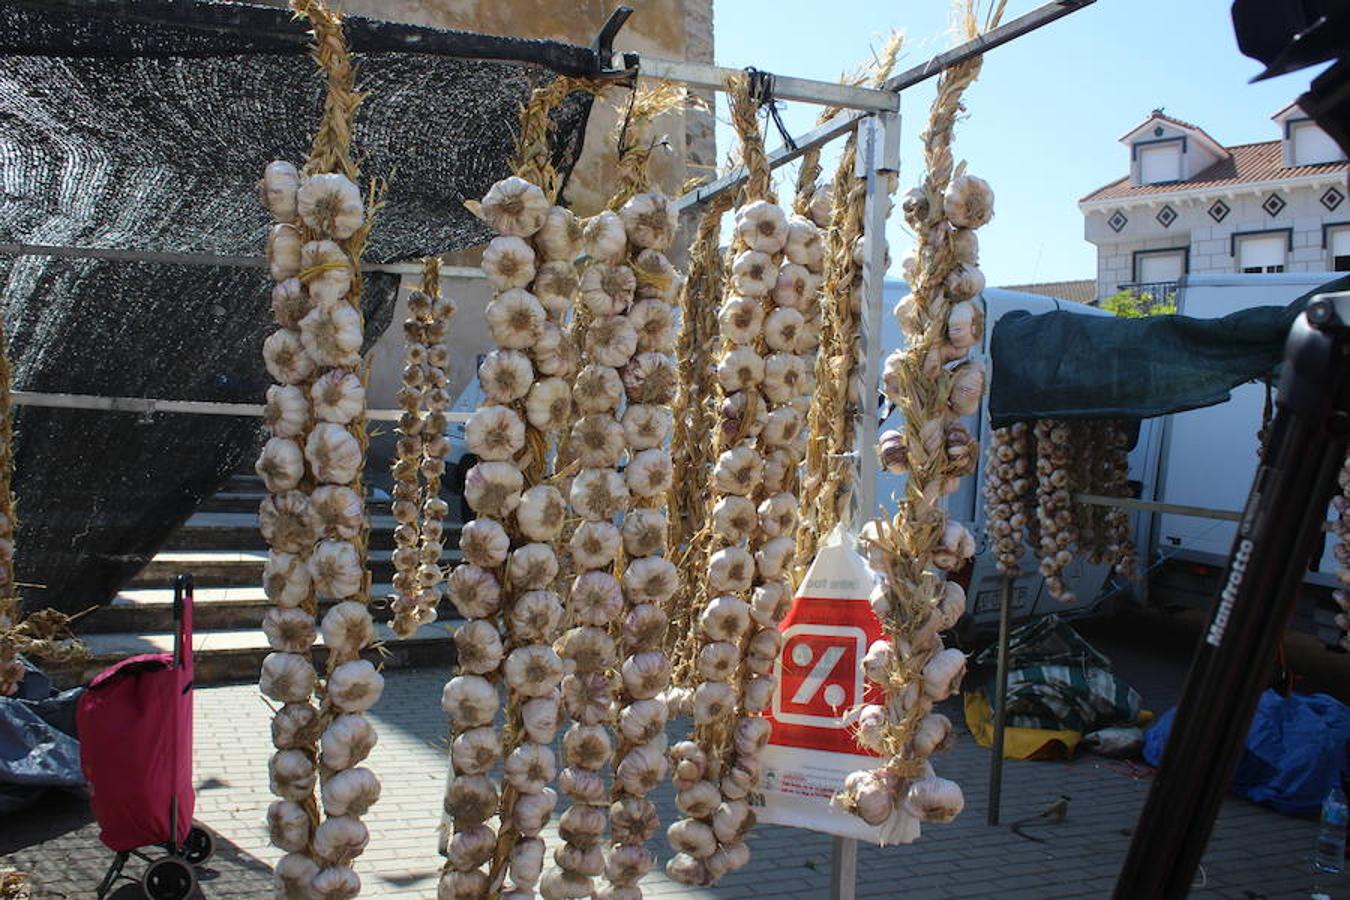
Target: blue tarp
{"x":1297,"y":748}
{"x":38,"y":747}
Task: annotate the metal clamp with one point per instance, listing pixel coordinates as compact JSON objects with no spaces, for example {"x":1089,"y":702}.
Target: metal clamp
{"x":603,"y":48}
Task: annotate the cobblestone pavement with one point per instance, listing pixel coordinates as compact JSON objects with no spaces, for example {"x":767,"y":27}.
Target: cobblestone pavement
{"x":1253,"y":852}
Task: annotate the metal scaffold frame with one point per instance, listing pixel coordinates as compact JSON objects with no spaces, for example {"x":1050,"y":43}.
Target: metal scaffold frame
{"x":873,"y":112}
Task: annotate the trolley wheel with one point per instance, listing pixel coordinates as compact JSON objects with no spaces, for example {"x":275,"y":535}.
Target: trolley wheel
{"x":169,"y":878}
{"x":199,"y":846}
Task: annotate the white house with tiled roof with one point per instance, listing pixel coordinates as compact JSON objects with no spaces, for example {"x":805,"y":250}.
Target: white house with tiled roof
{"x":1191,"y":205}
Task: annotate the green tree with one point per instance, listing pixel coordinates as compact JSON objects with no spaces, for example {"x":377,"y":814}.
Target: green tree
{"x":1132,"y":304}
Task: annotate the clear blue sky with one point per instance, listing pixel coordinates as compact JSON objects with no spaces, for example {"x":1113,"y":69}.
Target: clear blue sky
{"x":1044,"y":118}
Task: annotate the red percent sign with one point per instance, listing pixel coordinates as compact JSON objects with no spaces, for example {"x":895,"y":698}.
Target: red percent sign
{"x":820,"y":673}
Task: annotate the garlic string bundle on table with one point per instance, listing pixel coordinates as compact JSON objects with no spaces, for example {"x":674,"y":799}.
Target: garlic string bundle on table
{"x":1056,"y":521}
{"x":1008,"y":482}
{"x":313,"y":518}
{"x":420,"y":456}
{"x":912,"y":552}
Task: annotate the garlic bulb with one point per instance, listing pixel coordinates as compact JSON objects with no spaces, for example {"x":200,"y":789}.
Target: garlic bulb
{"x":739,"y":370}
{"x":508,"y":263}
{"x":340,"y":839}
{"x":532,"y":567}
{"x":474,"y":591}
{"x":515,"y":319}
{"x":967,"y":388}
{"x":540,"y":513}
{"x":283,"y":252}
{"x":598,"y":494}
{"x":288,"y":826}
{"x":594,"y":545}
{"x":330,"y":204}
{"x":588,"y":747}
{"x":335,"y":568}
{"x":738,"y":471}
{"x":604,"y":237}
{"x":540,"y":719}
{"x":474,"y":751}
{"x":527,"y":862}
{"x":470,"y":800}
{"x":289,"y":630}
{"x":741,"y":319}
{"x":734,"y":518}
{"x":559,"y":237}
{"x":494,"y":433}
{"x":646,"y":674}
{"x":607,"y":290}
{"x":730,"y":570}
{"x":292,"y":875}
{"x":338,"y":396}
{"x":968,"y":202}
{"x":470,"y":847}
{"x":285,"y":358}
{"x":281,"y":464}
{"x":644,"y":532}
{"x":596,"y":598}
{"x":277,"y":190}
{"x":548,"y":406}
{"x":286,"y":411}
{"x":654,"y":322}
{"x":794,"y":288}
{"x":783,"y":328}
{"x":295,"y":726}
{"x":493,"y":489}
{"x":530,"y":767}
{"x":287,"y":677}
{"x":649,"y":221}
{"x":598,"y":389}
{"x":555,"y":284}
{"x":533,"y":670}
{"x":335,"y":883}
{"x":291,"y":775}
{"x":331,"y":334}
{"x":753,"y":274}
{"x":687,"y":870}
{"x":514,"y":206}
{"x":326,"y":271}
{"x":649,"y":473}
{"x":288,"y":521}
{"x":346,"y":742}
{"x":333,"y":453}
{"x":478,"y":647}
{"x":354,"y":686}
{"x":762,"y":226}
{"x":590,"y":649}
{"x":650,"y":580}
{"x":505,"y":375}
{"x":611,"y":340}
{"x":804,"y":245}
{"x":290,"y":303}
{"x":339,"y":511}
{"x":646,"y":426}
{"x":712,"y":702}
{"x":483,"y":543}
{"x":347,"y":627}
{"x":470,"y":700}
{"x":934,"y":799}
{"x":536,"y":615}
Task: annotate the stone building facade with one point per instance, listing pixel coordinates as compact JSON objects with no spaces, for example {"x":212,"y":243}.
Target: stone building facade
{"x":1192,"y":205}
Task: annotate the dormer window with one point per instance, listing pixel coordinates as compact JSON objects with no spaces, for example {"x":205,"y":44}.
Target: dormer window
{"x":1159,"y":161}
{"x":1310,"y":145}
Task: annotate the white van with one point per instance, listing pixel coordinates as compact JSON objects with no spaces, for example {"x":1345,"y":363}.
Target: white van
{"x":1091,"y":584}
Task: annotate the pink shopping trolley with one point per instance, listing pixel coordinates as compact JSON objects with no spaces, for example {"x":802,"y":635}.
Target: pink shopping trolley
{"x":135,"y":727}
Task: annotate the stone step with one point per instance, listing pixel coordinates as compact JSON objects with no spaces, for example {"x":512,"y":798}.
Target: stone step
{"x":235,"y":655}
{"x":227,"y":568}
{"x":377,"y":502}
{"x":239,"y":531}
{"x":148,"y":609}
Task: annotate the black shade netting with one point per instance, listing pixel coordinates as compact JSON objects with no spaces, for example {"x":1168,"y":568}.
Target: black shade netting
{"x":122,"y":128}
{"x":1061,"y":365}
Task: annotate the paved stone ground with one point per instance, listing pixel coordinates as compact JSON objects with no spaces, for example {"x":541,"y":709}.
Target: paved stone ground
{"x":1253,"y":853}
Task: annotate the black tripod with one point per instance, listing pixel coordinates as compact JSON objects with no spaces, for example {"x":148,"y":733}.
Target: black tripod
{"x":1280,"y":524}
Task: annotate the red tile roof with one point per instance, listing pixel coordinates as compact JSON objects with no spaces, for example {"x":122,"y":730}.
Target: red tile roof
{"x":1081,"y":291}
{"x":1246,"y":163}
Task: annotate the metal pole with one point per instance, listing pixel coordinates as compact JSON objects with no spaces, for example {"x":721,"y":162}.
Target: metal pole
{"x":1000,"y":701}
{"x":844,"y":869}
{"x":150,"y":406}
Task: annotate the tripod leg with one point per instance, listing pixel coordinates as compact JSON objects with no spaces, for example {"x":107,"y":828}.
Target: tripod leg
{"x":114,"y":870}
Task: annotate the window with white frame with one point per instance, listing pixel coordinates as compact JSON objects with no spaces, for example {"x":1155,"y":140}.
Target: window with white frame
{"x":1158,"y":266}
{"x":1264,"y":252}
{"x":1338,"y":248}
{"x":1159,"y":163}
{"x":1310,"y":145}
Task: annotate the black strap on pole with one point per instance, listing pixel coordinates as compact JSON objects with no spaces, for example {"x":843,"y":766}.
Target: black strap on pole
{"x":761,"y":91}
{"x":1236,"y":656}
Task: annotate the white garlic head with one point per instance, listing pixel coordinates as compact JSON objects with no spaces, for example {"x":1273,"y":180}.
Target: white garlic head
{"x":283,"y":251}
{"x":734,"y":518}
{"x":650,"y":220}
{"x":330,"y":204}
{"x":536,"y":615}
{"x":493,"y":489}
{"x":515,"y":319}
{"x":596,"y":597}
{"x":474,"y":751}
{"x":339,"y":509}
{"x":474,"y":590}
{"x":763,"y":226}
{"x":607,"y":290}
{"x":646,"y":426}
{"x":644,"y":532}
{"x":338,"y":396}
{"x":355,"y":686}
{"x":753,"y":274}
{"x":540,"y":718}
{"x":611,"y":340}
{"x":286,"y":411}
{"x":277,"y":190}
{"x":588,"y":697}
{"x":281,"y":465}
{"x":346,"y":742}
{"x":287,"y":677}
{"x":805,"y":246}
{"x":532,"y":567}
{"x":741,"y":319}
{"x":540,"y":513}
{"x":285,"y":357}
{"x":336,"y":570}
{"x":508,"y":262}
{"x":725,"y":618}
{"x":295,"y":726}
{"x":288,"y":826}
{"x":514,"y":206}
{"x":598,"y":441}
{"x":470,"y":799}
{"x":968,"y":201}
{"x":654,"y":322}
{"x":650,"y":579}
{"x":347,"y":627}
{"x":470,"y":701}
{"x":559,"y":238}
{"x":738,"y":471}
{"x":598,"y":495}
{"x":604,"y":237}
{"x":598,"y":389}
{"x":291,"y":775}
{"x":588,"y":648}
{"x":644,"y":628}
{"x":649,"y":473}
{"x":530,"y":767}
{"x":483,"y":542}
{"x":333,"y":453}
{"x":533,"y":670}
{"x":326,"y":271}
{"x":505,"y":375}
{"x":548,"y":406}
{"x":478,"y":647}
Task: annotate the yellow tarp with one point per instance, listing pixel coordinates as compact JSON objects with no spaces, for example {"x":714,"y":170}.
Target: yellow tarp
{"x":1024,"y":743}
